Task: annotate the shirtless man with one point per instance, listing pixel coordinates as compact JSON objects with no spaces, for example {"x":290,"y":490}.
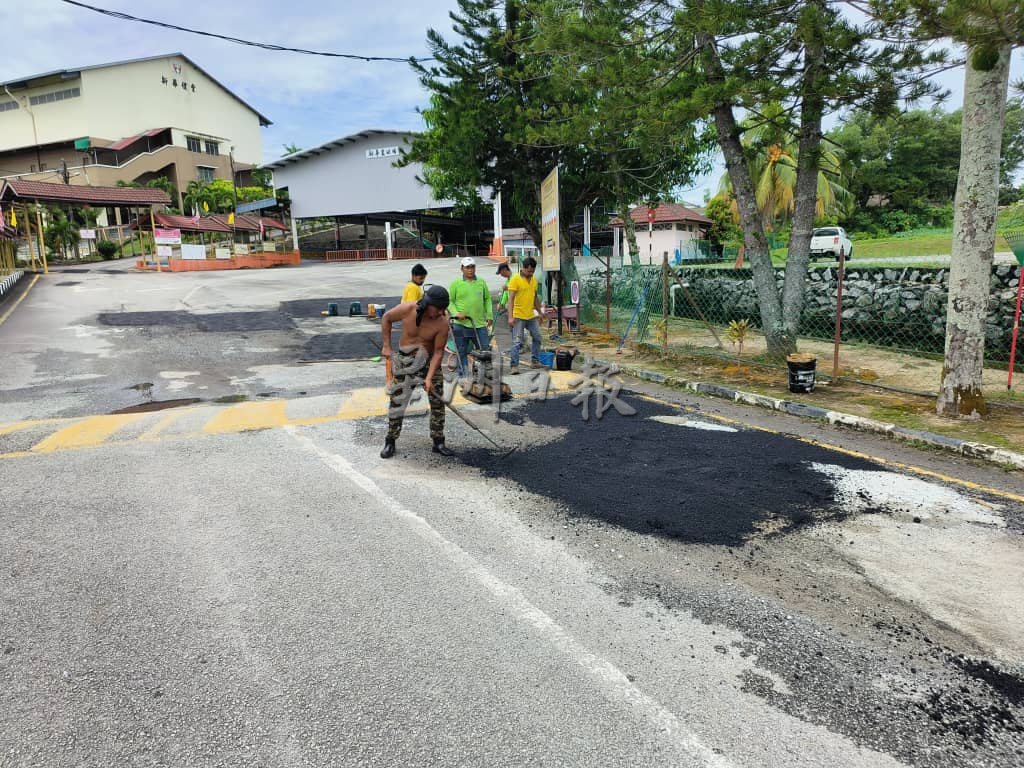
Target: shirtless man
{"x":418,"y":362}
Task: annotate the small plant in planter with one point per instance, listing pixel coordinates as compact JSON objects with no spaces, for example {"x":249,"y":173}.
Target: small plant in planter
{"x":737,"y":333}
{"x":106,"y":248}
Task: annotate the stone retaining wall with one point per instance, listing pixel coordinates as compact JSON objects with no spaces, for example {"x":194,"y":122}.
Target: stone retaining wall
{"x":881,"y":305}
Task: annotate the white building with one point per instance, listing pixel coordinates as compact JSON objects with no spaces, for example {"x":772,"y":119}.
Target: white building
{"x":354,"y":175}
{"x":129,"y":120}
{"x":673,"y":231}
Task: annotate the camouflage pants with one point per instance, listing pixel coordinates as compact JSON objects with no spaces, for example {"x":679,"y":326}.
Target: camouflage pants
{"x":410,"y":371}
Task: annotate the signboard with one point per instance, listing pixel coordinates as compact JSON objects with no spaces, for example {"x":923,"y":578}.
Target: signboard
{"x":164,"y":250}
{"x":193,"y":252}
{"x":551,"y":255}
{"x":574,"y":292}
{"x":83,"y":144}
{"x":439,"y":248}
{"x":222,"y":253}
{"x":168,"y":236}
{"x":267,"y":202}
{"x":87,"y":234}
{"x":269,"y":247}
{"x":241,"y":249}
{"x":373,"y":154}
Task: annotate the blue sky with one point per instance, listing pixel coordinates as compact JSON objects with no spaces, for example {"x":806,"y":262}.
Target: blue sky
{"x":310,"y":99}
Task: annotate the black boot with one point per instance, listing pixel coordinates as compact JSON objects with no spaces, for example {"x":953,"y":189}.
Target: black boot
{"x":389,"y":449}
{"x":440,"y":447}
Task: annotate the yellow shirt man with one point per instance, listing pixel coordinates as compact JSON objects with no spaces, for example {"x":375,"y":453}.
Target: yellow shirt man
{"x":525,"y":296}
{"x":412,"y":292}
{"x":414,"y":288}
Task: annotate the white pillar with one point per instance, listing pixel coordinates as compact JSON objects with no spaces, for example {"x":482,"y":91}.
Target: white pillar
{"x":387,"y":239}
{"x":499,"y":246}
{"x":617,"y":243}
{"x":295,"y":236}
{"x":586,"y":231}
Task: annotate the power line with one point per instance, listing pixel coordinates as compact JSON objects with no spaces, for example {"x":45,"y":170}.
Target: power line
{"x":240,"y":41}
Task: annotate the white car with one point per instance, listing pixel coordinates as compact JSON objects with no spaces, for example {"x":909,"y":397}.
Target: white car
{"x":826,"y":241}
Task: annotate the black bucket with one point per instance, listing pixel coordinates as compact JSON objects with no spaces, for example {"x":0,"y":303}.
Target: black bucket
{"x":802,"y":372}
{"x":564,"y":358}
{"x":332,"y":310}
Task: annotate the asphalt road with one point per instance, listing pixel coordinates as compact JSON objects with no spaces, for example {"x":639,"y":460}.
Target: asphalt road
{"x":204,"y":561}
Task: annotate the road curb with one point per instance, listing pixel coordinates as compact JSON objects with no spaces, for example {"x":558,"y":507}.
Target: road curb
{"x":973,"y":450}
{"x":8,"y":283}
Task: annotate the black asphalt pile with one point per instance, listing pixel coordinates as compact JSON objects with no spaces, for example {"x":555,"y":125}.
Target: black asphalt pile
{"x":216,"y":322}
{"x":633,"y":472}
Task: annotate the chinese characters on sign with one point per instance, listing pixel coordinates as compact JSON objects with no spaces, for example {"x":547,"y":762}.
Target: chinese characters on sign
{"x":373,"y":154}
{"x":174,"y":83}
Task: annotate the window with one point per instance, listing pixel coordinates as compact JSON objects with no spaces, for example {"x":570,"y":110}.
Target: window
{"x":7,"y":106}
{"x":212,"y":148}
{"x":193,"y":144}
{"x":205,"y":173}
{"x":47,"y":98}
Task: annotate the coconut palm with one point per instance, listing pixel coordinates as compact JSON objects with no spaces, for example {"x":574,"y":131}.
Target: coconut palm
{"x":772,"y":154}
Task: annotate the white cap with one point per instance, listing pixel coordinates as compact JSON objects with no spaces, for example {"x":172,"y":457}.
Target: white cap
{"x":468,"y":262}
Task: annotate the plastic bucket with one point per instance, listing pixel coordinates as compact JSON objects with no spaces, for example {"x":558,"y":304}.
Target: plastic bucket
{"x":547,"y":359}
{"x":802,"y":372}
{"x":563,"y":360}
{"x":332,"y":310}
{"x":355,"y":308}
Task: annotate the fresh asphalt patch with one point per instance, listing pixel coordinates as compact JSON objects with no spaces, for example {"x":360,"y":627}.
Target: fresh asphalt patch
{"x":344,"y":346}
{"x":699,"y":486}
{"x":215,"y":322}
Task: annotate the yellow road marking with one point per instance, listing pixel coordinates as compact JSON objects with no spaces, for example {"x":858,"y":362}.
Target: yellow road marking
{"x":847,"y":451}
{"x":363,"y":403}
{"x":87,"y":432}
{"x":153,"y":432}
{"x":248,"y":416}
{"x":21,"y":298}
{"x":6,"y":429}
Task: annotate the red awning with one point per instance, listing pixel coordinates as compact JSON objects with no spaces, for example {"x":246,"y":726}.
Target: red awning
{"x":45,"y":192}
{"x":119,"y":145}
{"x":184,"y":223}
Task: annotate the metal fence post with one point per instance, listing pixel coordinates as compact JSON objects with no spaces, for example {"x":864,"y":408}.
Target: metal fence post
{"x":839,"y":315}
{"x":664,"y":303}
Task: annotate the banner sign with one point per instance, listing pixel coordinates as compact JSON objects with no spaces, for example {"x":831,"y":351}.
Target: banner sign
{"x":87,"y":234}
{"x":168,"y":236}
{"x":222,"y":253}
{"x":193,"y":252}
{"x":164,"y":251}
{"x":549,"y":222}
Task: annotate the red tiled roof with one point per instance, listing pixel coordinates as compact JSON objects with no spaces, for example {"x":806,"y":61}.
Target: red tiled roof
{"x":20,"y":189}
{"x":118,"y":145}
{"x":249,"y":223}
{"x":185,"y":223}
{"x":664,"y":214}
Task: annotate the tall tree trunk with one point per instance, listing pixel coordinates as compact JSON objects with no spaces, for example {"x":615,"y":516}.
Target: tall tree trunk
{"x":754,"y":239}
{"x":805,"y":193}
{"x":974,"y":231}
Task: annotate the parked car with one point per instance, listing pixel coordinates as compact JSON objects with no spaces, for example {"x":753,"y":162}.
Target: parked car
{"x":826,"y":241}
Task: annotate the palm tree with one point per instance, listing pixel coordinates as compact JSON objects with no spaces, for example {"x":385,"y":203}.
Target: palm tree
{"x":772,"y":154}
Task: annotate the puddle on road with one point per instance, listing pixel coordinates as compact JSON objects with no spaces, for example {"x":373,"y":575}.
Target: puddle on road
{"x":157,"y":405}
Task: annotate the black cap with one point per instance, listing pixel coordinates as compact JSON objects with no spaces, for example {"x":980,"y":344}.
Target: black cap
{"x":503,"y":265}
{"x":434,"y":296}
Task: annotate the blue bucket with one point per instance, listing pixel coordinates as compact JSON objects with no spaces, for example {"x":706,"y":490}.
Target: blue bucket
{"x":547,"y":359}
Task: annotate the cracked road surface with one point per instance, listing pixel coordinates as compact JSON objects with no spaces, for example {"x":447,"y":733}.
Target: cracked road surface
{"x":225,"y":573}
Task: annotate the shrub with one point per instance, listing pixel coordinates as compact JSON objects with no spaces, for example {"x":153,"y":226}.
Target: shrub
{"x":107,"y":249}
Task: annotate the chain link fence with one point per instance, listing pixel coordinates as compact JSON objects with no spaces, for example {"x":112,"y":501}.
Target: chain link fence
{"x":892,"y":318}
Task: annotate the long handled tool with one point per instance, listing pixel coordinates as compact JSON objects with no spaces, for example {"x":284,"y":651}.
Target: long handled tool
{"x":506,"y":452}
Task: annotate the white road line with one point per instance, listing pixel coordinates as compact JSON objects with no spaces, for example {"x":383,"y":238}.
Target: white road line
{"x":611,"y":677}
